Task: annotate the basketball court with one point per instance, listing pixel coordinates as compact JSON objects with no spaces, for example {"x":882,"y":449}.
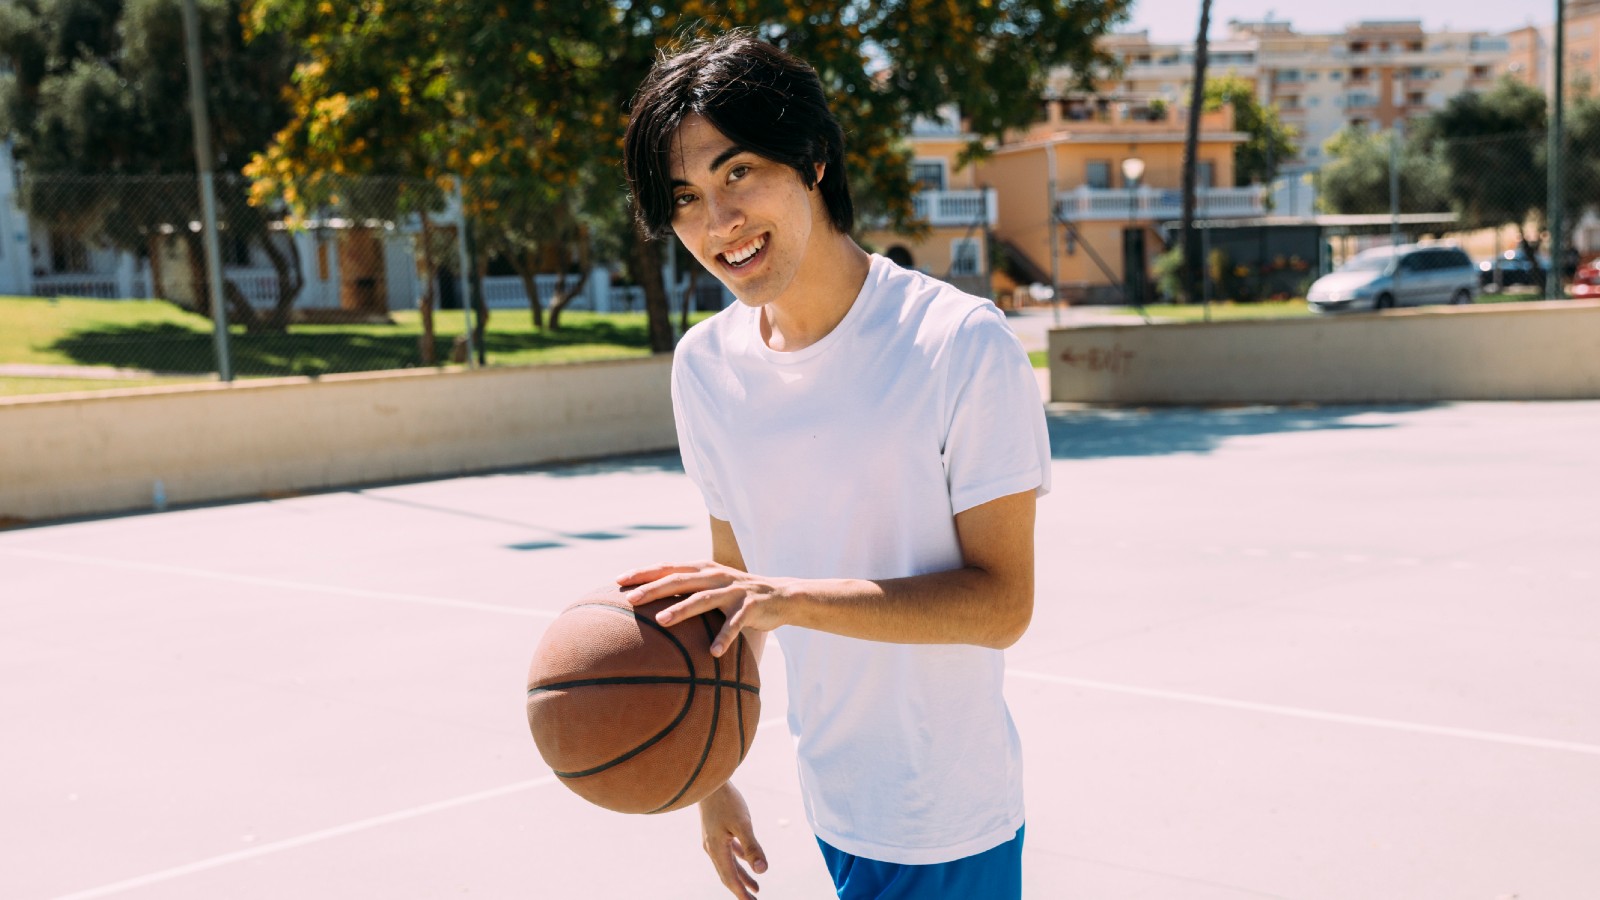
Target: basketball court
{"x":1318,"y":653}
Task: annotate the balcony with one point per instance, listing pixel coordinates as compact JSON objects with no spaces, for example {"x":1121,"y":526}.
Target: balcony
{"x":1112,"y":204}
{"x":957,"y":208}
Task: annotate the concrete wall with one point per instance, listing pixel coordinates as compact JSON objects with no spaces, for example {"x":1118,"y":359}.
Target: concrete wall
{"x":1521,"y":351}
{"x":98,"y":453}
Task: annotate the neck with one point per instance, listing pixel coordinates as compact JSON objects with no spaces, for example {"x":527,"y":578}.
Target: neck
{"x":812,"y":308}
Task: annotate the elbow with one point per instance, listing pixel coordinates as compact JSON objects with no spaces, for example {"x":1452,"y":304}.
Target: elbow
{"x":1012,"y":621}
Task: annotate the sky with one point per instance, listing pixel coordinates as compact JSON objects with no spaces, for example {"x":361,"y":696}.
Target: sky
{"x":1176,"y":20}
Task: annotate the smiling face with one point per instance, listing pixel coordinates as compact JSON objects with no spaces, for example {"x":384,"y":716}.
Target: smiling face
{"x":749,"y":220}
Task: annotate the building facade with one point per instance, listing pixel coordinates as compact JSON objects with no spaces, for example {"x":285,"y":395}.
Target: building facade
{"x":1373,"y":74}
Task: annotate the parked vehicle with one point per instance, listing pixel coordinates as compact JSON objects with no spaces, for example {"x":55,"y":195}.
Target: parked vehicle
{"x":1407,"y":275}
{"x":1586,"y":282}
{"x":1510,"y":269}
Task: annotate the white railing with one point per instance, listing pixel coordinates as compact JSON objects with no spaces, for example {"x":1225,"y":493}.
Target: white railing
{"x":957,"y":208}
{"x":105,"y":287}
{"x":1086,"y":203}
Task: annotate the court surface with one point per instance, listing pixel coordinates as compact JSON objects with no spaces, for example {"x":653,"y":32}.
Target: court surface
{"x":1300,"y":653}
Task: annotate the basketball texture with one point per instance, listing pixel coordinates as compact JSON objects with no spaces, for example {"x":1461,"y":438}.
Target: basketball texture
{"x":635,"y":716}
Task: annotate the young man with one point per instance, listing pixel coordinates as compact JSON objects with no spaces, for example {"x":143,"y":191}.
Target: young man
{"x":869,"y":443}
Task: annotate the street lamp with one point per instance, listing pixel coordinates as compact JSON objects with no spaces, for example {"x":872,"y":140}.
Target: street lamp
{"x":1133,"y":243}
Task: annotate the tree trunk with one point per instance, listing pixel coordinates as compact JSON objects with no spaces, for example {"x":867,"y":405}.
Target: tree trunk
{"x":290,"y":281}
{"x":526,"y":262}
{"x":425,"y":271}
{"x":644,"y":263}
{"x":480,"y":302}
{"x":565,"y":293}
{"x":688,"y":299}
{"x":1192,"y":272}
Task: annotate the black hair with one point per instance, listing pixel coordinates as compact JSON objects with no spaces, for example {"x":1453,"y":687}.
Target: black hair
{"x":762,"y":99}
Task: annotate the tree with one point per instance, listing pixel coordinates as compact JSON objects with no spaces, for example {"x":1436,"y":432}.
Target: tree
{"x":1492,"y":147}
{"x":1356,"y":180}
{"x":93,"y":92}
{"x":537,"y":93}
{"x":1191,"y":150}
{"x":1268,"y":141}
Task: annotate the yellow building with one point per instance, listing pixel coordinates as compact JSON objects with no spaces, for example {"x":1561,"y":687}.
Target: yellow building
{"x":1118,"y":166}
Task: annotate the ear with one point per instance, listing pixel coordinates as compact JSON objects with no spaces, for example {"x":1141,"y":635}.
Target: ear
{"x":820,"y":167}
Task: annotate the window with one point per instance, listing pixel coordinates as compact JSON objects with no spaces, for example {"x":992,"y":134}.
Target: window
{"x":1205,"y":173}
{"x":1097,"y":174}
{"x":1313,"y":101}
{"x":1335,"y":75}
{"x":965,"y":257}
{"x":928,"y":174}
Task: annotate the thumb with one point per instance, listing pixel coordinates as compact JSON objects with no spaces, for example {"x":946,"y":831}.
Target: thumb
{"x":750,"y":850}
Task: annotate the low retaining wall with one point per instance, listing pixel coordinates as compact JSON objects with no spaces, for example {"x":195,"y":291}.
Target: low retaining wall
{"x":104,"y":452}
{"x":1511,"y":351}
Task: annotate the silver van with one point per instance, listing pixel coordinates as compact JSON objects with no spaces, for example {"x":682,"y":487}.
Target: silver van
{"x":1406,"y":275}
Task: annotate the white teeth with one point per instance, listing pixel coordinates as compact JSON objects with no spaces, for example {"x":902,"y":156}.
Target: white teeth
{"x":734,"y":257}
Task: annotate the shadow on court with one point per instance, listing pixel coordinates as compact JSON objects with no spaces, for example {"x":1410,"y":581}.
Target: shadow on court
{"x":1106,"y":433}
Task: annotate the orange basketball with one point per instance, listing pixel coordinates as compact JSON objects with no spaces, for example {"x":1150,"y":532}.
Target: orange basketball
{"x":639,"y":717}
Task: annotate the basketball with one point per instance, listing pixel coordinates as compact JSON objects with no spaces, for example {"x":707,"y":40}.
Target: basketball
{"x":639,"y":717}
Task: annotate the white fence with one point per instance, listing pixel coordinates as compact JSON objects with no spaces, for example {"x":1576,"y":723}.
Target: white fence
{"x":957,"y":208}
{"x":1110,"y":204}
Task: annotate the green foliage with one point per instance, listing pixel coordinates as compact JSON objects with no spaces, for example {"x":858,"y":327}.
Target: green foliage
{"x":527,"y":101}
{"x":1492,"y":147}
{"x":1356,"y":180}
{"x":1268,"y":140}
{"x":97,"y":89}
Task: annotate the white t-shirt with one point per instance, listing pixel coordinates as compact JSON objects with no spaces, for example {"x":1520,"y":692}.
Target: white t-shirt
{"x":849,"y":459}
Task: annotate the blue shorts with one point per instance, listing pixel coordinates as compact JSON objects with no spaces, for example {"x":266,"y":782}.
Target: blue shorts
{"x":991,"y":875}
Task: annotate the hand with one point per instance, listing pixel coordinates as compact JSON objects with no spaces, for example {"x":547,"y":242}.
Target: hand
{"x":728,"y":838}
{"x":748,"y":601}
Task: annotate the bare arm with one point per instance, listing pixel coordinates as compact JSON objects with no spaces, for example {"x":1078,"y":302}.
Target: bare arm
{"x":988,"y":601}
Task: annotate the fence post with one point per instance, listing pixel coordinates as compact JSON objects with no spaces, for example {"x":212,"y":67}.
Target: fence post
{"x":208,"y":188}
{"x":463,"y":263}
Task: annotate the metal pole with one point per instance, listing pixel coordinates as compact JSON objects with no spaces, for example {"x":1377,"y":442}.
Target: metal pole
{"x":206,"y":165}
{"x":1205,"y":267}
{"x":462,"y":261}
{"x":1394,"y":184}
{"x":1557,"y":245}
{"x":1055,"y":265}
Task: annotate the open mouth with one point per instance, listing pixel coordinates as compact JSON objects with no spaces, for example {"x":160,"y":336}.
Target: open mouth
{"x":745,"y":255}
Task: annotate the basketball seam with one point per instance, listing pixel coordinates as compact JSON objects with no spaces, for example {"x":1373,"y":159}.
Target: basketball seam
{"x":642,"y":679}
{"x":738,"y":699}
{"x":683,"y":713}
{"x":711,"y":737}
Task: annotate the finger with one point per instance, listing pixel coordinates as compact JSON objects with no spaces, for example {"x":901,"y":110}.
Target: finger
{"x":725,"y":637}
{"x":750,"y":849}
{"x":697,"y":604}
{"x":651,"y":573}
{"x":677,"y":584}
{"x":733,"y":876}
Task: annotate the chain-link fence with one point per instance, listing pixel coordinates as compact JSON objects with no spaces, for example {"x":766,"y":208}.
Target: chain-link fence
{"x":107,"y":283}
{"x":1488,"y":195}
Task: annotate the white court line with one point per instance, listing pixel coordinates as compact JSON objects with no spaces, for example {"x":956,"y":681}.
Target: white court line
{"x":107,"y":890}
{"x":304,"y":839}
{"x":1318,"y":715}
{"x":279,"y":583}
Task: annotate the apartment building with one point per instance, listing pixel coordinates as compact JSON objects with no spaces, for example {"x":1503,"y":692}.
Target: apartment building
{"x":1373,"y":74}
{"x":1116,"y":164}
{"x":1531,"y":48}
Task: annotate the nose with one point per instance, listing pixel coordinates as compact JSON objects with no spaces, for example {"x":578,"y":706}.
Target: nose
{"x":726,"y":216}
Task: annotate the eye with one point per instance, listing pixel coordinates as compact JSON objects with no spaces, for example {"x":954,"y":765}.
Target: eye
{"x":738,"y":172}
{"x":682,"y":200}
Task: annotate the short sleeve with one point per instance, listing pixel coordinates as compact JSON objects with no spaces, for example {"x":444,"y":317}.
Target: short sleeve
{"x":689,"y":420}
{"x":996,"y":442}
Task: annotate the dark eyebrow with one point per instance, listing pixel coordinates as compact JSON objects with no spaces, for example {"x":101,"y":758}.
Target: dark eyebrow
{"x":717,"y":163}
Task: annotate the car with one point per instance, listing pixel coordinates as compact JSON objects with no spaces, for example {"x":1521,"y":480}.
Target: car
{"x":1404,"y":275}
{"x":1586,"y":282}
{"x":1511,"y":268}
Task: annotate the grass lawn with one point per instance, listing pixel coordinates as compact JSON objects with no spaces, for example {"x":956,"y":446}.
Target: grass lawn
{"x":159,"y":337}
{"x":1227,"y":310}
